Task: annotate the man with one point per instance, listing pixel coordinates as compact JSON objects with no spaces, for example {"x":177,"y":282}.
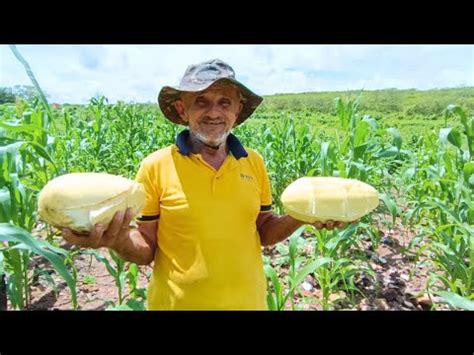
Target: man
{"x":208,"y":205}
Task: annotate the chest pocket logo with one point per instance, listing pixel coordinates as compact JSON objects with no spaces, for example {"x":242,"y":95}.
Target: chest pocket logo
{"x":247,"y":178}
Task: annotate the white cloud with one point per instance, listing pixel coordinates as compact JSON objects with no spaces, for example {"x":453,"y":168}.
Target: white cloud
{"x":122,"y":72}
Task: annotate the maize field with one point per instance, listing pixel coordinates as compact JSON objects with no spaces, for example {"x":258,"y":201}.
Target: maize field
{"x":414,"y":252}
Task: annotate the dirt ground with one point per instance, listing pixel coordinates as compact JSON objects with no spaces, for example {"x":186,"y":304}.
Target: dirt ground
{"x":399,"y":283}
{"x":94,"y":288}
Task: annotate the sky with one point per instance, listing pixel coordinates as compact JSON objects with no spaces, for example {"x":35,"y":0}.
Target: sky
{"x":136,"y":73}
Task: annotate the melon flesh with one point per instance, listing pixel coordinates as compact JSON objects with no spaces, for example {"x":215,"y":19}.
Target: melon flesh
{"x":81,"y":200}
{"x":312,"y":199}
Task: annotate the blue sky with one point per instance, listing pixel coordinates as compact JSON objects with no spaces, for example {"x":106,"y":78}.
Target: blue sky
{"x":75,"y":73}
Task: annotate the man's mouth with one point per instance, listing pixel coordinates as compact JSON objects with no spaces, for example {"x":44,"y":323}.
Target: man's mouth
{"x":213,"y":123}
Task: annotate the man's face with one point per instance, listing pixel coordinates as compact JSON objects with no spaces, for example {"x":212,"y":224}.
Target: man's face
{"x":211,"y":114}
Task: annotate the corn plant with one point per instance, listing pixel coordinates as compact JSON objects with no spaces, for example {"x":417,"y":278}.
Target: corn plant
{"x":277,"y":297}
{"x":122,"y":271}
{"x":14,"y":263}
{"x":425,"y":179}
{"x":343,"y":265}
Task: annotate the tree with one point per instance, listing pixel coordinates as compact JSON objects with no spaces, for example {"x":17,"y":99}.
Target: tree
{"x":6,"y":96}
{"x":26,"y":92}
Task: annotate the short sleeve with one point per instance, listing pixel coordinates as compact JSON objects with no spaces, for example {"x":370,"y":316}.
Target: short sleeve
{"x":266,"y":194}
{"x":146,"y":175}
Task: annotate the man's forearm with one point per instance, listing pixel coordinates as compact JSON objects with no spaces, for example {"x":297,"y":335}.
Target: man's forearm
{"x":135,"y":248}
{"x":277,"y":228}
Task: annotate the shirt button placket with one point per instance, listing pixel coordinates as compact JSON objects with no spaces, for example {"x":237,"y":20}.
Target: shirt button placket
{"x":214,"y":182}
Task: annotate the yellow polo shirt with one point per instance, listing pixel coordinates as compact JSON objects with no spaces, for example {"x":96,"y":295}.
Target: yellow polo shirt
{"x":209,"y":251}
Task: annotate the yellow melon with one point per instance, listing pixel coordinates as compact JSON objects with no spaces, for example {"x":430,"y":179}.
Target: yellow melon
{"x":80,"y":200}
{"x":311,"y":199}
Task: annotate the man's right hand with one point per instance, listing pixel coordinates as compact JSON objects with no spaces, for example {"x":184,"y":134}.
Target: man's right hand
{"x":102,"y":235}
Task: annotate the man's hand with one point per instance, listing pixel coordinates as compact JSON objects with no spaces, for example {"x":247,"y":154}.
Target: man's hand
{"x":330,"y":224}
{"x":103,"y":235}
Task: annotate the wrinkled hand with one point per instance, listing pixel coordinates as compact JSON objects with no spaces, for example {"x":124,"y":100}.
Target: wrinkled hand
{"x":103,"y":235}
{"x":330,"y":224}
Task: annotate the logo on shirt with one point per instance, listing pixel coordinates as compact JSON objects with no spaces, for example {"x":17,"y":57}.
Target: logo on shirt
{"x":247,"y":178}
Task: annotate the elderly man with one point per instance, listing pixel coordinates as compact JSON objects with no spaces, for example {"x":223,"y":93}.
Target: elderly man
{"x":208,"y":206}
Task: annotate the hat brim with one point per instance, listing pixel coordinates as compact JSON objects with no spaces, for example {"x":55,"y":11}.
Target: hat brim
{"x":169,"y":94}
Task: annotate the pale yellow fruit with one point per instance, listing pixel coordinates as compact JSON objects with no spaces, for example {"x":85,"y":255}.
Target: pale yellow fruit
{"x":80,"y":200}
{"x":311,"y":199}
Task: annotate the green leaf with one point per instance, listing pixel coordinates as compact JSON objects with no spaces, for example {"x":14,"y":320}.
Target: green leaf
{"x":45,"y":245}
{"x":310,"y":268}
{"x":452,"y":136}
{"x":324,"y":158}
{"x":293,"y":244}
{"x":468,"y":172}
{"x":132,"y":273}
{"x":409,"y":173}
{"x":119,"y":307}
{"x":271,"y":302}
{"x":100,"y":258}
{"x":2,"y":270}
{"x":270,"y":272}
{"x":371,"y":121}
{"x":5,"y":205}
{"x":341,"y":113}
{"x":389,"y":203}
{"x":11,"y":233}
{"x":455,"y":138}
{"x":455,"y":109}
{"x":443,"y":135}
{"x":397,"y":138}
{"x":324,"y":150}
{"x":41,"y":151}
{"x":456,"y":300}
{"x":122,"y":278}
{"x":332,"y":243}
{"x":387,"y":153}
{"x":11,"y":148}
{"x":14,"y":294}
{"x":136,"y":305}
{"x":437,"y":203}
{"x":471,"y":257}
{"x":348,"y":232}
{"x":361,"y":132}
{"x":360,"y":150}
{"x":311,"y":172}
{"x":20,"y":127}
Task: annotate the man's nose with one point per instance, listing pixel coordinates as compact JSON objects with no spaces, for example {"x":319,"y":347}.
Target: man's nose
{"x":213,"y":112}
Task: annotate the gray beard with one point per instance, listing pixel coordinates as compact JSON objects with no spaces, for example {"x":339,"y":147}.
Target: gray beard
{"x":213,"y":143}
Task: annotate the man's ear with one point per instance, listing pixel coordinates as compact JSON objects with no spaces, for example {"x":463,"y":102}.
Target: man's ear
{"x":181,"y":109}
{"x":241,"y":106}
